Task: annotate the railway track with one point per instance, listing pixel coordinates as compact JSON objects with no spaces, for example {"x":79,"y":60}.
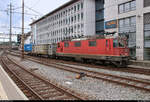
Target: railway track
{"x":36,"y":87}
{"x":129,"y":70}
{"x":134,"y":83}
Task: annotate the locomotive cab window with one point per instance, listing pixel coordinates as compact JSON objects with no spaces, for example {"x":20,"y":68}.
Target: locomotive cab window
{"x":58,"y":45}
{"x":66,"y":44}
{"x":92,"y":43}
{"x":77,"y":44}
{"x":106,"y":43}
{"x":118,"y":43}
{"x":121,"y":44}
{"x":115,"y":43}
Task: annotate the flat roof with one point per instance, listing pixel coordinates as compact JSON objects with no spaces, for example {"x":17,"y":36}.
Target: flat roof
{"x":54,"y":11}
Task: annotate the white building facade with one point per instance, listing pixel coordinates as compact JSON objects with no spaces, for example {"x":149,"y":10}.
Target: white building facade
{"x":73,"y":19}
{"x":132,"y":18}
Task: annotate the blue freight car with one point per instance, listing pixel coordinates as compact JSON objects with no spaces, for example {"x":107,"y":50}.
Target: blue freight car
{"x":28,"y":47}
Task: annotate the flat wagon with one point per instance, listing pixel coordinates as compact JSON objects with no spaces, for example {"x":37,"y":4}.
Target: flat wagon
{"x":40,"y":49}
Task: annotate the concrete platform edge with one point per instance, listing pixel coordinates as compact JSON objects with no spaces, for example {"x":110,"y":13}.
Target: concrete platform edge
{"x":3,"y":95}
{"x":23,"y":97}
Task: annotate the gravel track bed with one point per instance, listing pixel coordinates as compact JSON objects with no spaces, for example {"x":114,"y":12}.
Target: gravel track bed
{"x":100,"y":90}
{"x":123,"y":74}
{"x":1,"y":52}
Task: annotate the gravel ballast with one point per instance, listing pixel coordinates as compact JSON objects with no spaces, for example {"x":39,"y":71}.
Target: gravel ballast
{"x":123,"y":74}
{"x":100,"y":90}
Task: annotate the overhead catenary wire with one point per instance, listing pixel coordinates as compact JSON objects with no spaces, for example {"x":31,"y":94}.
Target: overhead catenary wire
{"x":36,"y":3}
{"x":33,"y":10}
{"x":20,"y":13}
{"x":16,"y":8}
{"x":13,"y":27}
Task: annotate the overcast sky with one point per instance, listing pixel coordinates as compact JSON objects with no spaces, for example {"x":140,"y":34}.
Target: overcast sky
{"x":41,"y":7}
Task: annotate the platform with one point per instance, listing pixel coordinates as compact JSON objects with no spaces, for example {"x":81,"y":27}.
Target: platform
{"x":8,"y":89}
{"x":144,"y":64}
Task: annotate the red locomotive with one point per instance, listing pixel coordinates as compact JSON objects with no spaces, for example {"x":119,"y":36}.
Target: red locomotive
{"x":97,"y":49}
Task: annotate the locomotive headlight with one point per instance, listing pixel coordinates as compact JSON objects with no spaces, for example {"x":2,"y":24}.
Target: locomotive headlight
{"x":126,"y":54}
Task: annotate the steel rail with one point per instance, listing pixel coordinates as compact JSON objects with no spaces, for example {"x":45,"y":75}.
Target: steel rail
{"x":99,"y":75}
{"x":66,"y":91}
{"x":129,"y":69}
{"x":19,"y":79}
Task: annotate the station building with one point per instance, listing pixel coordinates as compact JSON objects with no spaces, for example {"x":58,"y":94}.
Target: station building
{"x":130,"y":18}
{"x":74,"y":19}
{"x":91,"y":17}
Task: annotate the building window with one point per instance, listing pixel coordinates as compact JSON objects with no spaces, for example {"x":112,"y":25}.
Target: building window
{"x":66,"y":12}
{"x":78,"y":17}
{"x":66,"y":21}
{"x":82,"y":27}
{"x":81,"y":5}
{"x":72,"y":19}
{"x":69,"y":11}
{"x":78,"y":7}
{"x":78,"y":27}
{"x":121,"y":23}
{"x":126,"y":7}
{"x":127,"y":24}
{"x":146,"y":3}
{"x":133,"y":21}
{"x":147,"y":30}
{"x":147,"y":36}
{"x":121,"y":8}
{"x":75,"y":28}
{"x":133,"y":5}
{"x":69,"y":20}
{"x":77,"y":44}
{"x":66,"y":31}
{"x":92,"y":43}
{"x":72,"y":29}
{"x":75,"y":18}
{"x":69,"y":30}
{"x":82,"y":16}
{"x":75,"y":8}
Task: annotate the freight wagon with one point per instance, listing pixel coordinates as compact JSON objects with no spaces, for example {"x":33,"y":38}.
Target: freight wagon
{"x":28,"y":47}
{"x":40,"y":49}
{"x":52,"y":50}
{"x":48,"y":50}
